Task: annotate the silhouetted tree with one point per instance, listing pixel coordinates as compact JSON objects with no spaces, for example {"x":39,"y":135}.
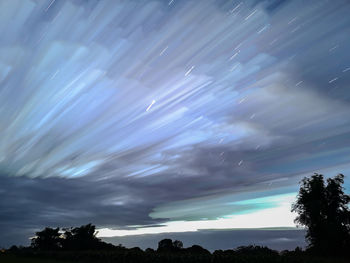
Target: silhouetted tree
{"x":165,"y":245}
{"x":13,"y":249}
{"x":81,"y":238}
{"x":323,"y":210}
{"x":47,"y":239}
{"x":254,"y":250}
{"x":178,"y":245}
{"x":196,"y":249}
{"x":150,"y":250}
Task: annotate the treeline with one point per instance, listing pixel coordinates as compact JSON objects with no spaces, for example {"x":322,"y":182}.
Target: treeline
{"x":80,"y":244}
{"x":169,"y":251}
{"x":77,"y":238}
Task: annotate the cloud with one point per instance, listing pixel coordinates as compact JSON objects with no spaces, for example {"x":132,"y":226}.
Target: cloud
{"x":272,"y":212}
{"x":246,"y":99}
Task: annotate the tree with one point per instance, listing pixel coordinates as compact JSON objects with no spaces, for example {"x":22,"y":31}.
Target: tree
{"x":254,"y":250}
{"x":47,"y":239}
{"x":323,"y":209}
{"x":165,"y":245}
{"x":177,"y":244}
{"x":196,"y":249}
{"x":149,"y":250}
{"x":80,"y":238}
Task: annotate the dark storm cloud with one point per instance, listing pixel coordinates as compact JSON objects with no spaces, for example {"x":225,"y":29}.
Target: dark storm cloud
{"x":31,"y":203}
{"x":131,"y":114}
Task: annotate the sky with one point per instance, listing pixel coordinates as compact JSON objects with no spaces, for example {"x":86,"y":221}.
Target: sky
{"x":185,"y":119}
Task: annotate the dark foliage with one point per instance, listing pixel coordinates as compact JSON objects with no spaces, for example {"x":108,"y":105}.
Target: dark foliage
{"x":255,"y":250}
{"x":197,"y":250}
{"x":47,"y":239}
{"x":193,"y":254}
{"x":80,"y":238}
{"x":323,"y":209}
{"x":167,"y":245}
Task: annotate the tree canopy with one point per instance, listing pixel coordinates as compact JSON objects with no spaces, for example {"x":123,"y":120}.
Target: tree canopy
{"x":47,"y":239}
{"x":323,"y":209}
{"x":77,"y":238}
{"x":167,"y":245}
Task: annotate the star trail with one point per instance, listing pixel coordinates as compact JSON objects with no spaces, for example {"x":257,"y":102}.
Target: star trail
{"x":153,"y":117}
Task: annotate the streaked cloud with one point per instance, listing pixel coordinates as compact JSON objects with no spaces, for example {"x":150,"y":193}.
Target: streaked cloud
{"x":166,"y":116}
